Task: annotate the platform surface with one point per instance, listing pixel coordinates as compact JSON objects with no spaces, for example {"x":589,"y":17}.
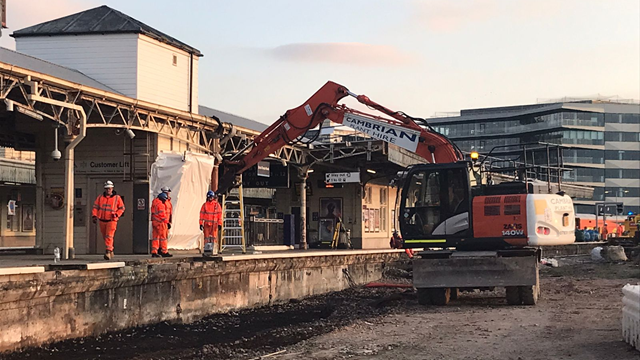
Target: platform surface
{"x":89,"y":262}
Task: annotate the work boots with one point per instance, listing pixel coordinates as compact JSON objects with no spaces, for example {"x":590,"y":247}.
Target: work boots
{"x":208,"y":250}
{"x":108,"y":255}
{"x":165,"y":254}
{"x":155,"y":255}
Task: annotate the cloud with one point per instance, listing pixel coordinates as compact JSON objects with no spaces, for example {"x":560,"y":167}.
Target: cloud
{"x":449,"y":16}
{"x":24,"y":13}
{"x":357,"y":54}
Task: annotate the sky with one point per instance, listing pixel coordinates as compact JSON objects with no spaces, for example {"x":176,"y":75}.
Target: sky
{"x":423,"y":57}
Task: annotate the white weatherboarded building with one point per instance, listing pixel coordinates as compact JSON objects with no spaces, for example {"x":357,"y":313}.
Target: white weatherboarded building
{"x":121,"y":52}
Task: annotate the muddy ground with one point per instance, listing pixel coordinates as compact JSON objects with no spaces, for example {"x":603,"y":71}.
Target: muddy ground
{"x":578,"y":317}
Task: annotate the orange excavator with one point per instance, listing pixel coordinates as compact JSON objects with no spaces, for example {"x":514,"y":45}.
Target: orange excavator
{"x":438,"y":206}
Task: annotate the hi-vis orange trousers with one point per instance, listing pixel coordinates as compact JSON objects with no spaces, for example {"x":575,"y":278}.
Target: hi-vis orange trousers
{"x":108,"y":230}
{"x":159,"y":237}
{"x":210,"y":232}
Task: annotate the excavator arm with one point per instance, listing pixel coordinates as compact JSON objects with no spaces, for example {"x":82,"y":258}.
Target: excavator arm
{"x":401,"y":130}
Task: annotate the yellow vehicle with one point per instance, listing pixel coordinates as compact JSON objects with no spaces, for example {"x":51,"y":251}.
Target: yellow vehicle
{"x":631,"y":234}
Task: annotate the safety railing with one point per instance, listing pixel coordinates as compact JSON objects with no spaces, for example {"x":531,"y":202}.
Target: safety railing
{"x":260,"y":231}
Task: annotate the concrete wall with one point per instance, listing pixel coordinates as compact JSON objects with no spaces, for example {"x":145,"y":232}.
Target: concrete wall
{"x":583,"y":248}
{"x":9,"y":153}
{"x":36,"y":309}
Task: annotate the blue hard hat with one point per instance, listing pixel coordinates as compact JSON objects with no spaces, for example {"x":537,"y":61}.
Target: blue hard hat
{"x":163,"y":196}
{"x":210,"y":193}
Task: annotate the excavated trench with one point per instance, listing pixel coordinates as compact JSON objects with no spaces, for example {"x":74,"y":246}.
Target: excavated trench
{"x":238,"y":335}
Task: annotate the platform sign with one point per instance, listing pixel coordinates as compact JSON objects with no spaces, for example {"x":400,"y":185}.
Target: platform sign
{"x":11,"y":207}
{"x":102,"y":166}
{"x":342,"y":177}
{"x":264,"y":169}
{"x":29,"y":113}
{"x":278,"y":177}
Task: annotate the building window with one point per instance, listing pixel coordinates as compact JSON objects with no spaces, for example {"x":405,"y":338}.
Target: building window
{"x":584,"y":174}
{"x":622,"y":136}
{"x":622,"y":173}
{"x":175,"y":60}
{"x":623,"y":118}
{"x":622,"y":192}
{"x":383,"y":196}
{"x":368,"y":192}
{"x":622,"y":155}
{"x":383,"y":218}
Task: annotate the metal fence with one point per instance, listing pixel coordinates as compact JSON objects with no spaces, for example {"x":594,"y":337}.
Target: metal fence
{"x":260,"y":231}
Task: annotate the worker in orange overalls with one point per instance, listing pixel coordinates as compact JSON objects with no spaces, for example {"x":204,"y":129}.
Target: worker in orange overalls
{"x":605,"y":233}
{"x":210,"y":222}
{"x":107,"y":209}
{"x":160,"y":226}
{"x":169,"y":205}
{"x":396,"y":242}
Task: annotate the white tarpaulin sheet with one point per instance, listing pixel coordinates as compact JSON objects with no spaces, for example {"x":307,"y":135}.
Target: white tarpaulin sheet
{"x":189,"y":177}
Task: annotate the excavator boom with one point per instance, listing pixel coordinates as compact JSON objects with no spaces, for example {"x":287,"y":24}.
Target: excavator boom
{"x":400,"y":129}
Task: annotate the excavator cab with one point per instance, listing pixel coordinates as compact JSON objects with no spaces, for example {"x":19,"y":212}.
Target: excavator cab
{"x":435,"y":203}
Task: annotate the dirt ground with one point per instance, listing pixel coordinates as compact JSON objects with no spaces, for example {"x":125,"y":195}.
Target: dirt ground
{"x":578,"y":317}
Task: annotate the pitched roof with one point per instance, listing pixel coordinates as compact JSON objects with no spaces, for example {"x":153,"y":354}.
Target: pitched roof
{"x":34,"y":64}
{"x":101,"y":20}
{"x":234,"y":119}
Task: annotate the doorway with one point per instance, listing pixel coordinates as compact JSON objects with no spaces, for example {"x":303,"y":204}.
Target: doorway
{"x":295,"y":211}
{"x":123,"y":240}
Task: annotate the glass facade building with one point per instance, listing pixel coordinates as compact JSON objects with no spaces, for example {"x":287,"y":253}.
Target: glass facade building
{"x":600,"y":142}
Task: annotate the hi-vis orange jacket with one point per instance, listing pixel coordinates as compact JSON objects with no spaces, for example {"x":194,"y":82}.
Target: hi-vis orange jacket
{"x":108,"y":208}
{"x":211,"y":213}
{"x":169,"y":206}
{"x":159,"y":212}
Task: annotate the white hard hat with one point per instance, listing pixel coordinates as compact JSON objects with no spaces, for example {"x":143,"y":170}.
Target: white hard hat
{"x":166,"y":189}
{"x":108,"y":184}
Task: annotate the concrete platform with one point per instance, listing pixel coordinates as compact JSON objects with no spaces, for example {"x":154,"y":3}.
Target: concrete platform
{"x":579,"y":248}
{"x":91,"y":261}
{"x":21,"y":270}
{"x":88,"y":297}
{"x":82,"y":260}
